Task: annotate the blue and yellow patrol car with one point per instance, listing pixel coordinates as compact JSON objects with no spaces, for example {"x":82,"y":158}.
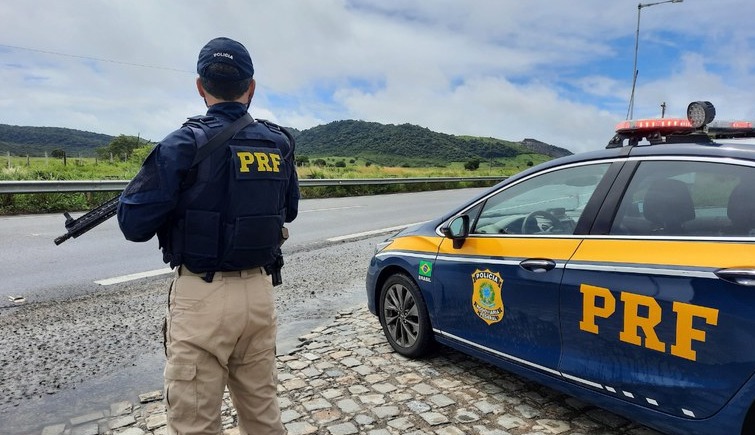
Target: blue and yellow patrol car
{"x":624,"y":277}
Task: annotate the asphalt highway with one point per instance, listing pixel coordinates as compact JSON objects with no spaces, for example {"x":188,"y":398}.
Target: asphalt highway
{"x":34,"y":268}
{"x":88,"y":331}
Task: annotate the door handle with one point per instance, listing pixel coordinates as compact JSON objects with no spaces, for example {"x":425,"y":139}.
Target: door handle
{"x":538,"y":265}
{"x":737,"y":276}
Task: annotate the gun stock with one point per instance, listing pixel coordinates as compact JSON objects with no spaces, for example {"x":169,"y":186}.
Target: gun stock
{"x":96,"y":216}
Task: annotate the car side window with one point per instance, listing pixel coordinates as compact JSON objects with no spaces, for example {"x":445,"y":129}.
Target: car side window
{"x":545,"y":204}
{"x":692,"y":198}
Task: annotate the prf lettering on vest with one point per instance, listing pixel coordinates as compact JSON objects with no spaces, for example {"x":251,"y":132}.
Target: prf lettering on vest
{"x":265,"y":162}
{"x":598,"y":302}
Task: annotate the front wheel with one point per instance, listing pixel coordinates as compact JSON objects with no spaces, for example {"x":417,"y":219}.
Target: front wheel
{"x":403,"y":315}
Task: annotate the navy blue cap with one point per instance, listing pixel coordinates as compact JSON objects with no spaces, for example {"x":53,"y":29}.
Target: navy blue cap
{"x":228,"y":51}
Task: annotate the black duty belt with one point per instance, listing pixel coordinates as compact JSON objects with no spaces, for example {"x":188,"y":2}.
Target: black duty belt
{"x":209,"y":276}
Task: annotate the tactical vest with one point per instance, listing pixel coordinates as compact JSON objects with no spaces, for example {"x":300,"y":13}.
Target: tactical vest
{"x":231,"y":215}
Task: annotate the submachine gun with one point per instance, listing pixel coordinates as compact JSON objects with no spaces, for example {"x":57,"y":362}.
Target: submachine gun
{"x":96,"y":216}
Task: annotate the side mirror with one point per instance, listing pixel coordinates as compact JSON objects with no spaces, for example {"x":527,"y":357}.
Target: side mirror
{"x":457,"y":229}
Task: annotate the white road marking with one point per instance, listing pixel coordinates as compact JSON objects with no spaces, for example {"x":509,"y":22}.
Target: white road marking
{"x":371,"y":233}
{"x":134,"y":276}
{"x":331,"y":208}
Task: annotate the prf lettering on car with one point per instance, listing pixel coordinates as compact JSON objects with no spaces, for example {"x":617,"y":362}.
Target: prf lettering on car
{"x":634,"y":304}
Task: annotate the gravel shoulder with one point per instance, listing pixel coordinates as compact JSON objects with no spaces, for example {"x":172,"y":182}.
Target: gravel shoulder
{"x":61,"y":357}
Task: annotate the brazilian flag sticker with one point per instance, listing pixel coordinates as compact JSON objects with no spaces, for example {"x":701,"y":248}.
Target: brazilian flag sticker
{"x":425,"y":268}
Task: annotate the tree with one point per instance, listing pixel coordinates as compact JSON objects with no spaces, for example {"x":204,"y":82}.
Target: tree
{"x":472,"y":165}
{"x":57,"y":153}
{"x":302,"y":160}
{"x":140,"y":154}
{"x":120,"y":146}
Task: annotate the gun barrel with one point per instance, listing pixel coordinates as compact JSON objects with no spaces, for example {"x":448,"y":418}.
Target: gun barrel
{"x":61,"y":239}
{"x":96,"y":216}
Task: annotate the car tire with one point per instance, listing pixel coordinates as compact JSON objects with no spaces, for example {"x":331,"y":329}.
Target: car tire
{"x":403,"y":316}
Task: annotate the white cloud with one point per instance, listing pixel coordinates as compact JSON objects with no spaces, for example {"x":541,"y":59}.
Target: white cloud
{"x":555,"y":71}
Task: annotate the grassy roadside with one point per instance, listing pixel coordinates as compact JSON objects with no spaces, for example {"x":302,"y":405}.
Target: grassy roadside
{"x":41,"y":168}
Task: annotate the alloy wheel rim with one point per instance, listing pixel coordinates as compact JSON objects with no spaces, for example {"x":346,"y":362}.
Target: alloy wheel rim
{"x":401,"y":315}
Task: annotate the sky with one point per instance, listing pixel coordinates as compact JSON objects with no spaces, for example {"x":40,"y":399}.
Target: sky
{"x":556,"y":71}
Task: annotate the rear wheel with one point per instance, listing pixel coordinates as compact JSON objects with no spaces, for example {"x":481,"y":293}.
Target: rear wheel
{"x":403,"y":315}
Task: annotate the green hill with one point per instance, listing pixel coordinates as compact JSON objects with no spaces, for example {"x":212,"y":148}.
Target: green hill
{"x":389,"y":145}
{"x":35,"y":141}
{"x":408,"y":144}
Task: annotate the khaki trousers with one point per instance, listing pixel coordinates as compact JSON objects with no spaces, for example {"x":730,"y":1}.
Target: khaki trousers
{"x":221,"y":334}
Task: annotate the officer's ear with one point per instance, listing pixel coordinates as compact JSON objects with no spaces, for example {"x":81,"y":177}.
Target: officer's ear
{"x":200,"y":88}
{"x":252,"y":87}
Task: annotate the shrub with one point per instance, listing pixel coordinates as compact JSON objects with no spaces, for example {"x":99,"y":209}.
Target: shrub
{"x":472,"y":165}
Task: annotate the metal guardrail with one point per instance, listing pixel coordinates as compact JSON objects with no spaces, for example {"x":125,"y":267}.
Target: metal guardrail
{"x":118,"y":185}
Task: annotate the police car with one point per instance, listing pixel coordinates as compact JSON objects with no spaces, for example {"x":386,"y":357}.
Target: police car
{"x":624,"y":276}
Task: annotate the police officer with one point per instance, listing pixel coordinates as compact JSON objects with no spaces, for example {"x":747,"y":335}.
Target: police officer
{"x":219,"y":222}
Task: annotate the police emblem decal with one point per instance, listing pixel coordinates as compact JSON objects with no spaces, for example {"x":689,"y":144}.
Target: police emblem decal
{"x":486,"y":295}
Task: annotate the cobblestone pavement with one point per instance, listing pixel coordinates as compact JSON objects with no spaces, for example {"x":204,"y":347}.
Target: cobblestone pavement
{"x":345,"y":379}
